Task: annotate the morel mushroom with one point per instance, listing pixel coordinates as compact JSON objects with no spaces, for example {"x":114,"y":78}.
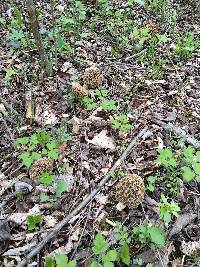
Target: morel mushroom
{"x":78,"y":90}
{"x":130,"y":190}
{"x":91,"y":77}
{"x":40,"y":166}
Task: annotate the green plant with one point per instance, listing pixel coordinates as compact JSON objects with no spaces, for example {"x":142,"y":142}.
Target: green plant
{"x":166,"y":158}
{"x":10,"y":72}
{"x":121,"y":123}
{"x":167,"y":210}
{"x":33,"y":221}
{"x":151,"y":183}
{"x":46,"y":178}
{"x":61,"y":187}
{"x":186,"y":46}
{"x":34,"y":147}
{"x":88,"y":103}
{"x":61,"y":260}
{"x":191,"y":170}
{"x":150,"y":235}
{"x":102,"y":101}
{"x":123,"y":238}
{"x":104,"y":256}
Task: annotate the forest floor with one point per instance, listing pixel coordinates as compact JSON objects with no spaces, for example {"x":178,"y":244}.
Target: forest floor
{"x":149,"y":60}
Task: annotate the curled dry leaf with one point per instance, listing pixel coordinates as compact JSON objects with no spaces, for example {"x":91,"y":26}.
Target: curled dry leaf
{"x":101,"y":140}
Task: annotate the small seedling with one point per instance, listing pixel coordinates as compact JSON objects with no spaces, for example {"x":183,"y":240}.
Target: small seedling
{"x":186,"y":46}
{"x":104,"y":256}
{"x":61,"y":187}
{"x":61,"y":260}
{"x":121,"y":123}
{"x":33,"y":221}
{"x":151,"y":183}
{"x":150,"y":235}
{"x":191,"y":170}
{"x":46,"y":178}
{"x":34,"y":147}
{"x":166,"y":158}
{"x":167,"y":210}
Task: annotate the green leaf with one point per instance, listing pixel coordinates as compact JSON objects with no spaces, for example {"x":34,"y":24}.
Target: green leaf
{"x":197,"y":168}
{"x":108,"y":264}
{"x":94,"y":264}
{"x":125,"y":254}
{"x":33,"y":221}
{"x":197,"y":178}
{"x":71,"y":263}
{"x":100,"y":245}
{"x":22,"y":140}
{"x":188,"y":174}
{"x":9,"y":72}
{"x":111,"y":255}
{"x":166,"y":157}
{"x":35,"y":156}
{"x":141,"y":2}
{"x":46,"y":178}
{"x":26,"y":159}
{"x":189,"y":153}
{"x":44,"y":197}
{"x":52,"y":145}
{"x":62,"y":186}
{"x":48,"y":261}
{"x":53,"y":154}
{"x":157,"y":236}
{"x":61,"y":260}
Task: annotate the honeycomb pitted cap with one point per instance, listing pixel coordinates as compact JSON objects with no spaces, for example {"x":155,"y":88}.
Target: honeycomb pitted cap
{"x":40,"y":166}
{"x":79,"y":90}
{"x":130,"y":190}
{"x":91,"y":77}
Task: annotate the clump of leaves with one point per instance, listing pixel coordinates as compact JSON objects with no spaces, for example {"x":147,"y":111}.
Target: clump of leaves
{"x":151,"y":183}
{"x":123,"y":238}
{"x":102,"y":100}
{"x":167,"y":210}
{"x":61,"y":187}
{"x":33,"y":221}
{"x":166,"y":158}
{"x":103,"y":254}
{"x":191,"y":170}
{"x":186,"y":46}
{"x":121,"y":123}
{"x":37,"y":145}
{"x":61,"y":260}
{"x":150,"y":235}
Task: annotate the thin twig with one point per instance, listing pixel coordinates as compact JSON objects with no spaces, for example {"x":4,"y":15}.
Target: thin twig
{"x":85,"y":201}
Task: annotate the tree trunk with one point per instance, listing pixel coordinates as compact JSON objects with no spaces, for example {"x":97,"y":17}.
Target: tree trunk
{"x":45,"y":63}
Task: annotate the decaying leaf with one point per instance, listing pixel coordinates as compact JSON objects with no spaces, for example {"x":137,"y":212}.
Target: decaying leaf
{"x":191,"y":248}
{"x":101,"y":140}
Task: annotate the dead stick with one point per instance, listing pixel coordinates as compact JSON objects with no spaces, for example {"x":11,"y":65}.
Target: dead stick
{"x":86,"y":200}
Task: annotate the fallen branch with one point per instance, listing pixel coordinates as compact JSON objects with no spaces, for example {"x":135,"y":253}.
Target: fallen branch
{"x":85,"y":201}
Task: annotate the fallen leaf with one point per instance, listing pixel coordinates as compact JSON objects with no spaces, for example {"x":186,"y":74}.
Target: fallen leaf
{"x":101,"y":140}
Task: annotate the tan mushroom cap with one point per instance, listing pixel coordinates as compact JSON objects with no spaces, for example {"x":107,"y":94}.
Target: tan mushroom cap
{"x":130,"y":190}
{"x":40,"y":166}
{"x":91,"y":77}
{"x":79,"y":90}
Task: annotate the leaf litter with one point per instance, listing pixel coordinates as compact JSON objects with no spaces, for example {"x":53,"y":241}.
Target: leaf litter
{"x":170,"y":95}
